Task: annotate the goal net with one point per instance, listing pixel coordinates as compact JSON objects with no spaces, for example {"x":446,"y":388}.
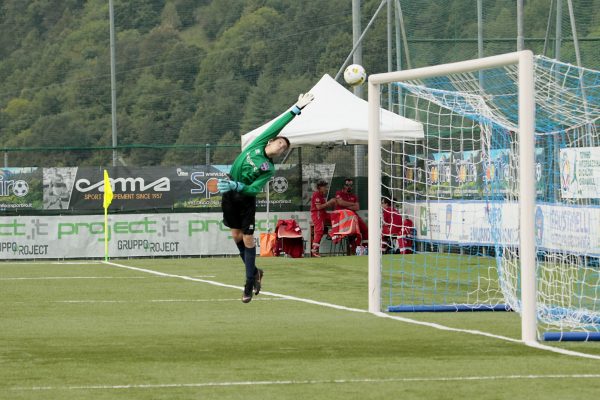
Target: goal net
{"x":483,"y":214}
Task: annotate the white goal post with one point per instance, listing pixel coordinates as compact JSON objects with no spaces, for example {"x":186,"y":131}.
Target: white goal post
{"x":527,"y":191}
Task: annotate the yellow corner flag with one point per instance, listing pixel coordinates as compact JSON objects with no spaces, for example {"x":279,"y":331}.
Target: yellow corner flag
{"x":108,"y":196}
{"x":108,"y":193}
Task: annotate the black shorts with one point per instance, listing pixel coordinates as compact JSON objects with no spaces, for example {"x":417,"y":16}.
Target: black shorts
{"x":239,"y":211}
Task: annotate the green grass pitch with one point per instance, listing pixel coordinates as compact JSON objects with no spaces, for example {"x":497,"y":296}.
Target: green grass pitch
{"x":95,"y":331}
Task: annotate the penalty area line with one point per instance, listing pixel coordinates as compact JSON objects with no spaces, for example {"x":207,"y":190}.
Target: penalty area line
{"x":310,"y":382}
{"x":535,"y":345}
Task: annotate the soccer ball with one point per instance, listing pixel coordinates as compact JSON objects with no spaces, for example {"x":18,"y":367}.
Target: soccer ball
{"x":355,"y":75}
{"x":20,"y":188}
{"x":280,"y":184}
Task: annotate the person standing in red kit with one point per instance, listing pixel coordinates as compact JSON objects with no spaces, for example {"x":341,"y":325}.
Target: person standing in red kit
{"x":319,"y":215}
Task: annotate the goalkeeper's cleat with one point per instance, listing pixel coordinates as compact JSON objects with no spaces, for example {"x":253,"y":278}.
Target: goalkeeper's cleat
{"x":247,"y":296}
{"x":258,"y":280}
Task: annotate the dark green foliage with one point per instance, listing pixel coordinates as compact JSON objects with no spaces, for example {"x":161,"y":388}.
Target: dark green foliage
{"x":206,"y":71}
{"x":141,"y":15}
{"x":218,"y":16}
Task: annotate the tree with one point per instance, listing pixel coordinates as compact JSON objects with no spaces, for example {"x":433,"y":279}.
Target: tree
{"x":227,"y":149}
{"x":141,"y":15}
{"x":249,"y":61}
{"x":170,"y":17}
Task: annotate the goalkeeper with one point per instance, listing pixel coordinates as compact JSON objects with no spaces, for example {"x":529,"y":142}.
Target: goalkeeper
{"x":250,"y":171}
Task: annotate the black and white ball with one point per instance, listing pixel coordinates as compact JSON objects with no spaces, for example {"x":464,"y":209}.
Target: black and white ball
{"x":20,"y":188}
{"x":280,"y":184}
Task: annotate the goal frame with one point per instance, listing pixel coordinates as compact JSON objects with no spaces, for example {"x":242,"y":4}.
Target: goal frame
{"x":527,"y":195}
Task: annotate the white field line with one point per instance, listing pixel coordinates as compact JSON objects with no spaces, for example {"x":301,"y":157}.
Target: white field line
{"x":140,"y":301}
{"x":379,"y":314}
{"x":310,"y":382}
{"x":154,"y":301}
{"x":43,"y":278}
{"x":165,"y":301}
{"x":42,"y":263}
{"x":48,"y":278}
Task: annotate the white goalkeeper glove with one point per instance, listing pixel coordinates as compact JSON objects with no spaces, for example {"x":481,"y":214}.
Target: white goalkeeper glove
{"x":303,"y":101}
{"x":225,"y":185}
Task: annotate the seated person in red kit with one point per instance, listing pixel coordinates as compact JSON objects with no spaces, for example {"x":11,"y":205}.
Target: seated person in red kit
{"x":345,"y":199}
{"x":392,"y":224}
{"x":395,"y":227}
{"x":319,"y":215}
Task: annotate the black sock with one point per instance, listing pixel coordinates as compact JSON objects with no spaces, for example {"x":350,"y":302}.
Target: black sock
{"x":249,"y":259}
{"x":241,"y":248}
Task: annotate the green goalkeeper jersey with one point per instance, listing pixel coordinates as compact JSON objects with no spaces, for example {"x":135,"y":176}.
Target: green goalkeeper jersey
{"x":253,"y":167}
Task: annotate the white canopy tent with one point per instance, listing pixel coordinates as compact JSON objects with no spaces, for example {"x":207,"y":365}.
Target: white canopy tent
{"x":338,"y":116}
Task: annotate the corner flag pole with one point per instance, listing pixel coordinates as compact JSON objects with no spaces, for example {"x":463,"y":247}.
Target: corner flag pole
{"x":108,"y":196}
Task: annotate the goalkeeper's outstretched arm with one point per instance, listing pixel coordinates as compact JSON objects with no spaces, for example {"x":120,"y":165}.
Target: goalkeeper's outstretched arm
{"x":276,"y":127}
{"x":253,"y":168}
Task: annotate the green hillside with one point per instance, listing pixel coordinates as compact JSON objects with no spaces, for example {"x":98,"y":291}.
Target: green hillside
{"x":204,"y":71}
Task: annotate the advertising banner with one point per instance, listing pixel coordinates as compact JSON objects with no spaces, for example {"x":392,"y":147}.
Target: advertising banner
{"x":557,"y":227}
{"x":285,"y":190}
{"x":201,"y":192}
{"x":580,"y":173}
{"x":164,"y":188}
{"x":468,"y":223}
{"x":500,"y":176}
{"x":467,"y":176}
{"x":416,"y":176}
{"x":571,"y":228}
{"x":439,"y":175}
{"x":129,"y":235}
{"x":497,"y":176}
{"x":133,"y":188}
{"x":198,"y":189}
{"x":20,"y":189}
